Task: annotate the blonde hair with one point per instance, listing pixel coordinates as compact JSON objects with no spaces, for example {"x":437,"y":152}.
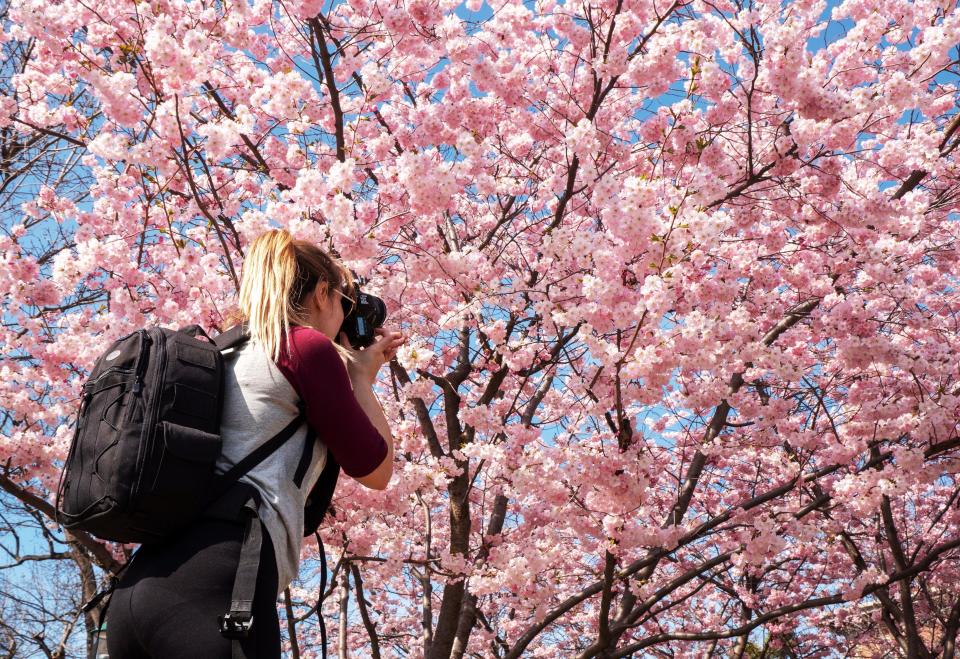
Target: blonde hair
{"x":278,"y":274}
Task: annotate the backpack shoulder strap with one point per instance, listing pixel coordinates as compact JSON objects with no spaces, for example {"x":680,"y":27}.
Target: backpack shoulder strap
{"x":222,"y":482}
{"x":320,"y":497}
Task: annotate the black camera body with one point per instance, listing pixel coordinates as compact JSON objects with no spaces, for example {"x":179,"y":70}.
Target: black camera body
{"x":360,"y":322}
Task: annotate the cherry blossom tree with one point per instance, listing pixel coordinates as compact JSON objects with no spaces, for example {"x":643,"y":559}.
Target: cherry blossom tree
{"x":681,"y":279}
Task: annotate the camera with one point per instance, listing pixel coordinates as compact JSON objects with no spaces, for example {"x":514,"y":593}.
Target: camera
{"x":359,"y":323}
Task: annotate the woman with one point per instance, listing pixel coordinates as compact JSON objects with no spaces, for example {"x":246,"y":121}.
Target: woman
{"x":168,"y":599}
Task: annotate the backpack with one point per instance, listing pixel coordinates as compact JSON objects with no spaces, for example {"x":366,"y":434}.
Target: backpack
{"x":141,"y":462}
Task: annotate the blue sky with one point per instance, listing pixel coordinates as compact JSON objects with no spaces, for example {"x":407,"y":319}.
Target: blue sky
{"x":834,"y":30}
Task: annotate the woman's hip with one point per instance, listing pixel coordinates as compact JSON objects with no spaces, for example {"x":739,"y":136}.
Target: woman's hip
{"x":172,"y":592}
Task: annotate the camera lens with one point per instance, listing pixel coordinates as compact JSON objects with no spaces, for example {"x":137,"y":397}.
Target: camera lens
{"x":378,"y":311}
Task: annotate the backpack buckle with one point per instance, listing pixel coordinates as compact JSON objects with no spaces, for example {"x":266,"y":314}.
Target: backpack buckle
{"x":235,"y":624}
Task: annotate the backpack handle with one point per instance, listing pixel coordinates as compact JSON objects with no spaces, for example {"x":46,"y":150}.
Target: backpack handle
{"x":233,"y":336}
{"x":193,"y":330}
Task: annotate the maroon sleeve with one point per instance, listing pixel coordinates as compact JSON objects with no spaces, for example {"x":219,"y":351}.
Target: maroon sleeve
{"x":315,"y":369}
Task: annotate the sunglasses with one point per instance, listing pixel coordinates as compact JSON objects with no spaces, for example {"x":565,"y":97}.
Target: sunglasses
{"x":349,"y":304}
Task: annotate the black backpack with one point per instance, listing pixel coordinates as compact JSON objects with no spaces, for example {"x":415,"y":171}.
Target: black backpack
{"x":141,"y":462}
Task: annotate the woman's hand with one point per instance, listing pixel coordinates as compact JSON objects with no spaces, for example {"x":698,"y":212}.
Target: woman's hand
{"x":367,"y":361}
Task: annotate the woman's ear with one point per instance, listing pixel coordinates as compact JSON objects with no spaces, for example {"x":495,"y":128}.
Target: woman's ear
{"x":320,"y":295}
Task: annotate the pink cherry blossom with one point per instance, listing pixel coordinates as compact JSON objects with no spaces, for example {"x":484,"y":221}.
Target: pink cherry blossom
{"x":680,"y":281}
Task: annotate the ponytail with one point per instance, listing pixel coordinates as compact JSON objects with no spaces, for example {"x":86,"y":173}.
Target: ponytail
{"x":278,"y":274}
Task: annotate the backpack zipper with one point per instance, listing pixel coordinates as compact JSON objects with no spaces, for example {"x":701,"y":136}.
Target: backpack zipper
{"x":150,"y":421}
{"x":144,"y":342}
{"x":141,"y":362}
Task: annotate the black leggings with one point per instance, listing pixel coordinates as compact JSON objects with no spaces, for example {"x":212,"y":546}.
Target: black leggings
{"x":167,"y":600}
